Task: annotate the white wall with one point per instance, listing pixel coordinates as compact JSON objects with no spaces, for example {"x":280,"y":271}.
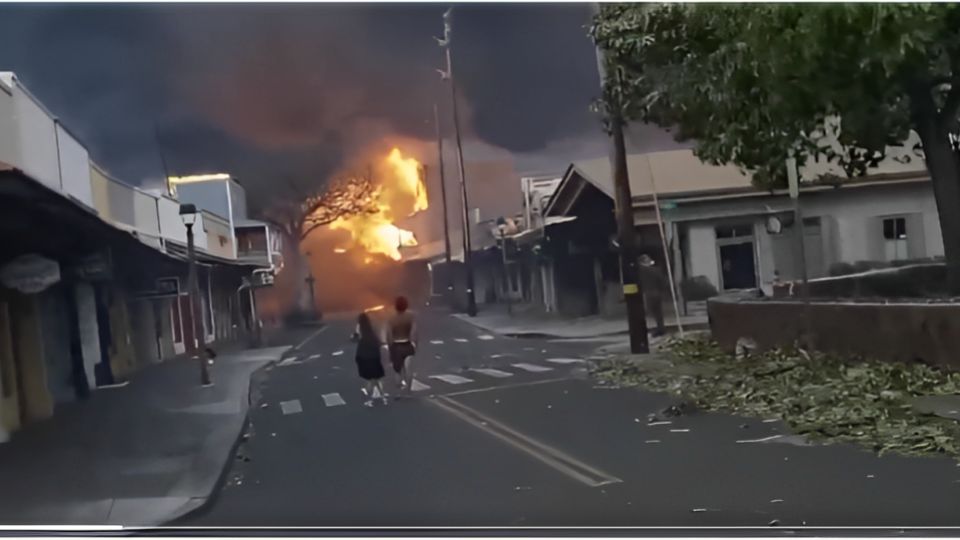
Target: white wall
{"x":38,"y":155}
{"x":856,"y":212}
{"x":145,"y":214}
{"x":856,"y":229}
{"x":703,"y":251}
{"x":171,"y":226}
{"x":9,"y":142}
{"x":74,"y":167}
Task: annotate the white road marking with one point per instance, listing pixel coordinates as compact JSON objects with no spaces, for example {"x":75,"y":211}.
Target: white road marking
{"x":460,"y":340}
{"x":485,"y":337}
{"x":532,"y":368}
{"x":452,"y":379}
{"x":771,"y":420}
{"x":765,"y":439}
{"x":311,"y":336}
{"x":565,"y":360}
{"x":287,"y":361}
{"x":418,"y":386}
{"x":661,"y":423}
{"x":314,"y":356}
{"x":679,"y":431}
{"x":493,"y":372}
{"x":333,"y":400}
{"x":436,"y":342}
{"x":291,"y":407}
{"x":337,"y":353}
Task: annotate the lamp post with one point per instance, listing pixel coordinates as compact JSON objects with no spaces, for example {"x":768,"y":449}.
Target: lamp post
{"x":310,"y":287}
{"x":188,"y":213}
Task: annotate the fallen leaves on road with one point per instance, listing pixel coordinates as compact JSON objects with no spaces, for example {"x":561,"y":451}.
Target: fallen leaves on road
{"x":823,"y":397}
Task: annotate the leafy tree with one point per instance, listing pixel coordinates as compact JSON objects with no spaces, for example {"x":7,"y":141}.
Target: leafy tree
{"x":755,"y":83}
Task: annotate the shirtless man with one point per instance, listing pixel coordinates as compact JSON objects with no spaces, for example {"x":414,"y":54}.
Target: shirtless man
{"x":402,"y":342}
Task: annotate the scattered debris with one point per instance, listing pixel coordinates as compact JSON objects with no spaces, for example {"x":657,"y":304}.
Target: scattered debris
{"x":549,"y":406}
{"x":744,"y":426}
{"x":337,"y":353}
{"x":771,"y":420}
{"x":774,"y":523}
{"x":522,"y":488}
{"x":273,"y":434}
{"x":822,"y":397}
{"x":496,"y":401}
{"x":265,"y":405}
{"x":871,"y":476}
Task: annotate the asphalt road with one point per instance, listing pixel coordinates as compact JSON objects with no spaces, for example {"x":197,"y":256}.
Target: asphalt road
{"x":534,"y":443}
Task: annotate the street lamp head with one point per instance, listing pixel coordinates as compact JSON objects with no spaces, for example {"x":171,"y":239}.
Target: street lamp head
{"x":188,"y":213}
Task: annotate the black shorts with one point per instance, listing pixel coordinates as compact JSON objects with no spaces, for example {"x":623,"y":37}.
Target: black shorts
{"x":399,"y":352}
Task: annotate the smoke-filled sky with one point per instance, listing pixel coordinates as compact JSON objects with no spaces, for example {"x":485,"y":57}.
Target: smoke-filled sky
{"x":272,"y":91}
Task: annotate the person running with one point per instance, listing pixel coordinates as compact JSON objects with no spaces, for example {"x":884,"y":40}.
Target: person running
{"x":402,"y":342}
{"x":368,"y":360}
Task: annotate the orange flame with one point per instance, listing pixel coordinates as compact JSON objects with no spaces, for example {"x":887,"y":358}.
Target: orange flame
{"x":402,"y":186}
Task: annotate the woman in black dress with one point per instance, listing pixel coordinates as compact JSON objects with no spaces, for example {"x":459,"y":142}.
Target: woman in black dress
{"x":369,"y":364}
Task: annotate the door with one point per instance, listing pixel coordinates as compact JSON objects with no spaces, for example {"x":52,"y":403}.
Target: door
{"x":737,"y":267}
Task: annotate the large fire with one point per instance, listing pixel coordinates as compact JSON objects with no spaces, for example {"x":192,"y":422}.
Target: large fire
{"x":401,"y":191}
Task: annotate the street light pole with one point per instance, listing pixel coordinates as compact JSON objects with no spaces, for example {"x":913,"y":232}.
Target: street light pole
{"x":623,"y":205}
{"x":448,"y":74}
{"x":188,"y":213}
{"x":310,"y":284}
{"x":508,"y":289}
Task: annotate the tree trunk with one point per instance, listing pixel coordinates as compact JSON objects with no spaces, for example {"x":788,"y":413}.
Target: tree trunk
{"x":292,"y":281}
{"x":944,"y":168}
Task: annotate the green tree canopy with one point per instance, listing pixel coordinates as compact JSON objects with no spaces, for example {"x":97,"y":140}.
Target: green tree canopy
{"x":753,"y":84}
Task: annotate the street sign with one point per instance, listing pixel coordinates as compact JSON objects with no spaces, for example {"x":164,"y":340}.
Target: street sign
{"x":30,"y":273}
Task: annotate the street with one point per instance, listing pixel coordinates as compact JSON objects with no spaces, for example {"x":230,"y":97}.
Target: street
{"x":512,"y":433}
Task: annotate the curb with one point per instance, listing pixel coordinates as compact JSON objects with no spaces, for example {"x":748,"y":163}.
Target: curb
{"x":199,"y":505}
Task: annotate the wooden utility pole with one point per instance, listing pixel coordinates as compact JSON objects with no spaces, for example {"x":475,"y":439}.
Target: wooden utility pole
{"x":623,"y":202}
{"x":467,"y":248}
{"x":443,"y":196}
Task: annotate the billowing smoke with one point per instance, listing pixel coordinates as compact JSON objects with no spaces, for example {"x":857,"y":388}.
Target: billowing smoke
{"x":283,"y":94}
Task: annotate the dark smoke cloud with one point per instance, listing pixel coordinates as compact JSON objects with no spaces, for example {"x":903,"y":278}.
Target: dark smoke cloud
{"x":271,"y":92}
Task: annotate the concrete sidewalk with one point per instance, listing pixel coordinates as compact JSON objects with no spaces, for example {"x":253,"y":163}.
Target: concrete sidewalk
{"x":495,"y":319}
{"x":138,"y":455}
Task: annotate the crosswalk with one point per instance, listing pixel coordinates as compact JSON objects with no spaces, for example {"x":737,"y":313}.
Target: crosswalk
{"x":479,"y":374}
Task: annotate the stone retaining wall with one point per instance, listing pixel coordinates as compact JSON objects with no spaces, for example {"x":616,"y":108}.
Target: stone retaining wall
{"x":900,"y":332}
